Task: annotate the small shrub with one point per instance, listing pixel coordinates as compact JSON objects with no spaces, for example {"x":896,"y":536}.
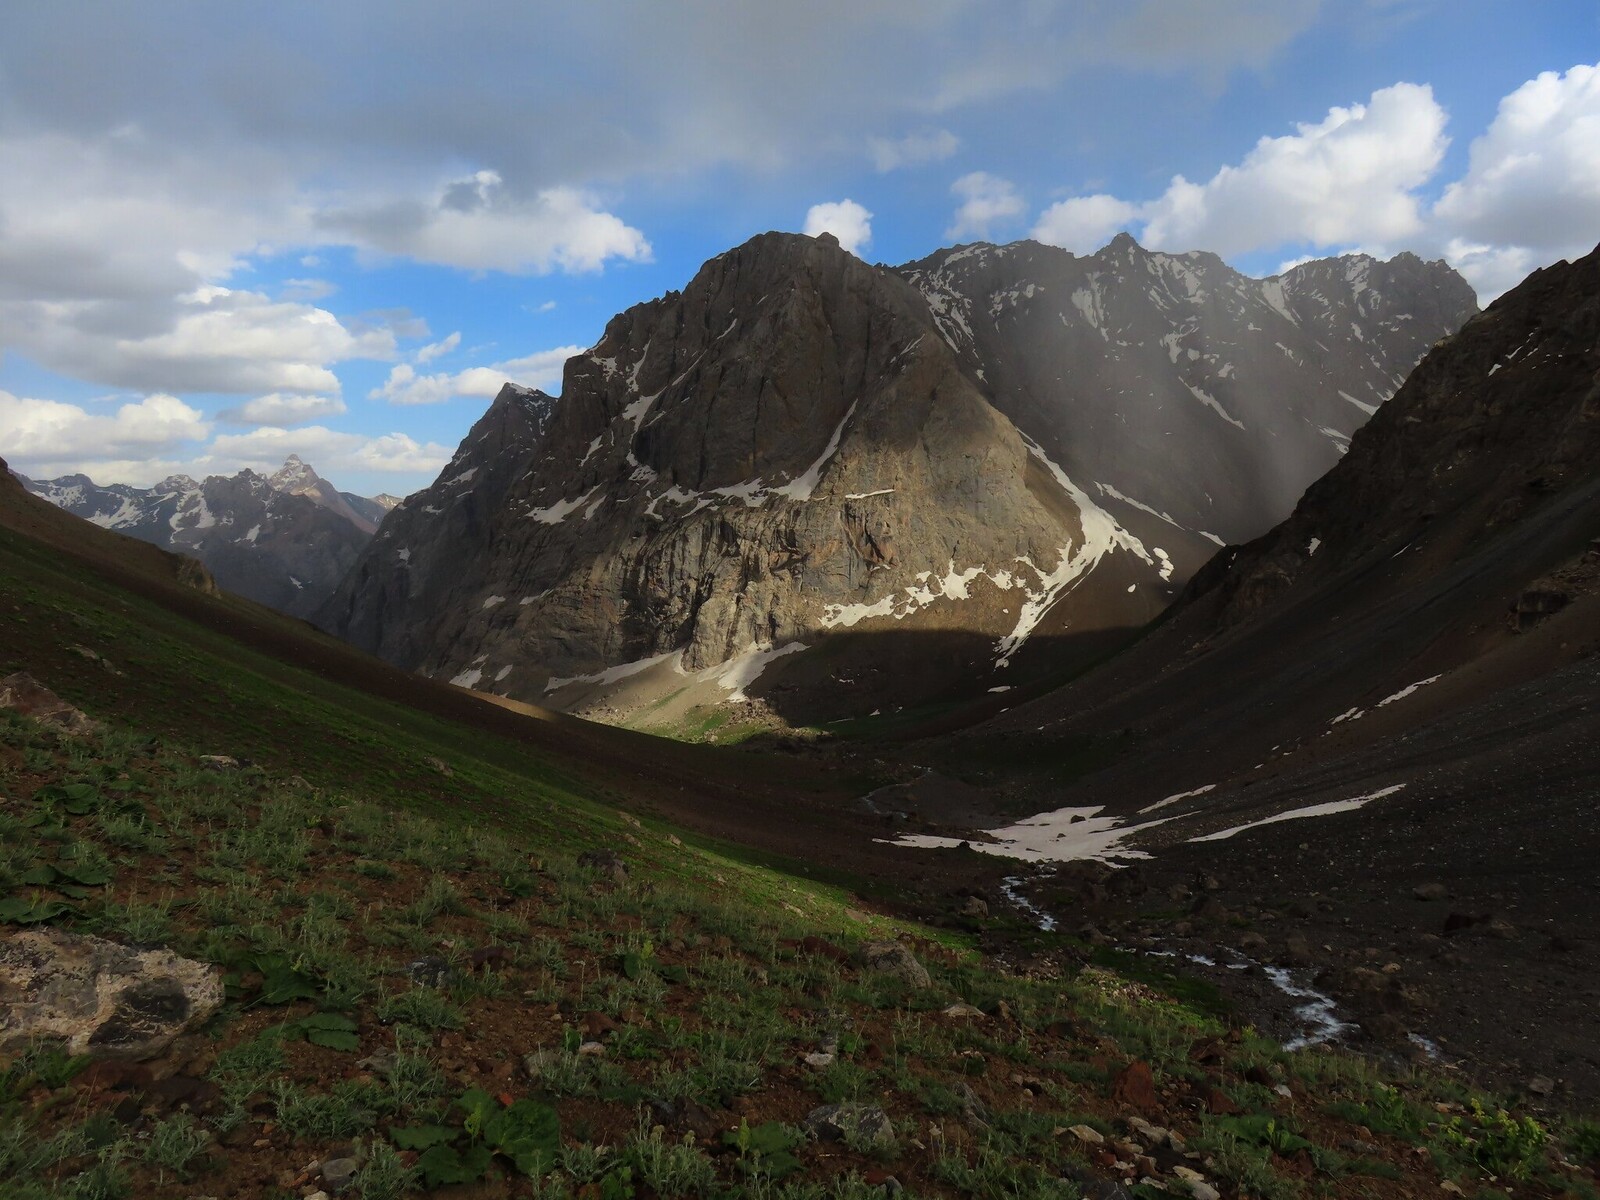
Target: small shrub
{"x":1501,"y":1145}
{"x":670,"y":1168}
{"x":175,"y":1144}
{"x":424,"y":1007}
{"x":384,"y":1176}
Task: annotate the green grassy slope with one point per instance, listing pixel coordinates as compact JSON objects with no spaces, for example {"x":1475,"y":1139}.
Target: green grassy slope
{"x":574,"y":1029}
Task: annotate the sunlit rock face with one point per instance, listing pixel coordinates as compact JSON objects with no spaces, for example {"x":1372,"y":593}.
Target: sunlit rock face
{"x":804,"y":471}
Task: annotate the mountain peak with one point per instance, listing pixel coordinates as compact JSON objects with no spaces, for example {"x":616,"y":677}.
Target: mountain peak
{"x":294,"y":476}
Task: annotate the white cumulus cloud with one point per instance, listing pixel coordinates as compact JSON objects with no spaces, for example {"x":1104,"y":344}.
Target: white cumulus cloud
{"x":848,"y":221}
{"x":1351,"y":177}
{"x":1532,"y":188}
{"x":986,"y":201}
{"x":477,"y":223}
{"x":1359,"y":179}
{"x":436,"y":349}
{"x":39,"y":436}
{"x":332,"y":452}
{"x":539,"y":370}
{"x":1083,"y":224}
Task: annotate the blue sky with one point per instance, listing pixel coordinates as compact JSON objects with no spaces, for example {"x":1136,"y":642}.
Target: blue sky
{"x":332,"y":230}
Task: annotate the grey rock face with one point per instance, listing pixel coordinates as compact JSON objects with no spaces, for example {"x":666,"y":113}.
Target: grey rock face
{"x":928,"y":470}
{"x":1173,"y":380}
{"x":260,"y":537}
{"x":99,"y":997}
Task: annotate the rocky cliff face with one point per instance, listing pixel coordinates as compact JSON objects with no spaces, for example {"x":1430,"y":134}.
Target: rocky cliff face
{"x":280,"y":547}
{"x":916,"y":475}
{"x":1493,"y":425}
{"x":1174,"y":381}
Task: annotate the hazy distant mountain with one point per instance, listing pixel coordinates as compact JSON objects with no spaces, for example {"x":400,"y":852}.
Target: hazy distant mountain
{"x":816,"y":471}
{"x":298,"y":479}
{"x":285,"y":540}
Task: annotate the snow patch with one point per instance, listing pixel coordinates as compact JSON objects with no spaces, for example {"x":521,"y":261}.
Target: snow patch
{"x":620,"y":671}
{"x":1107,"y":490}
{"x":1296,"y":814}
{"x":676,"y":495}
{"x":744,"y":669}
{"x":1178,"y":796}
{"x":801,"y":488}
{"x":1065,"y":835}
{"x":1272,"y":293}
{"x":1101,"y":536}
{"x":1211,"y":402}
{"x":491,"y":601}
{"x":555,"y":513}
{"x":1166,"y":563}
{"x":1369,"y":409}
{"x":1407,"y":690}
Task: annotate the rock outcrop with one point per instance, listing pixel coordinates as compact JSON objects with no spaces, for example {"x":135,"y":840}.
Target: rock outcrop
{"x":917,"y":475}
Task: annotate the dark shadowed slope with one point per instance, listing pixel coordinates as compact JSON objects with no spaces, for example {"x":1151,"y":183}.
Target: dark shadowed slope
{"x":1419,"y":645}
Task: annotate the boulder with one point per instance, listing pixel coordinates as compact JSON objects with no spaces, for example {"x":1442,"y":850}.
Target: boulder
{"x":891,"y":958}
{"x":1135,"y":1088}
{"x":24,"y":694}
{"x":859,"y":1126}
{"x":606,"y":862}
{"x":99,"y":997}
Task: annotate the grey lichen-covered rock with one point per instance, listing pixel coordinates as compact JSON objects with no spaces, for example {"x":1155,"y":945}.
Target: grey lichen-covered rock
{"x":862,"y":1127}
{"x":99,"y":997}
{"x":22,"y":693}
{"x":892,"y":958}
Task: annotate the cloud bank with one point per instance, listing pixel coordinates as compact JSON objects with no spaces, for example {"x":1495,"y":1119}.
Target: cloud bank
{"x":1359,"y":177}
